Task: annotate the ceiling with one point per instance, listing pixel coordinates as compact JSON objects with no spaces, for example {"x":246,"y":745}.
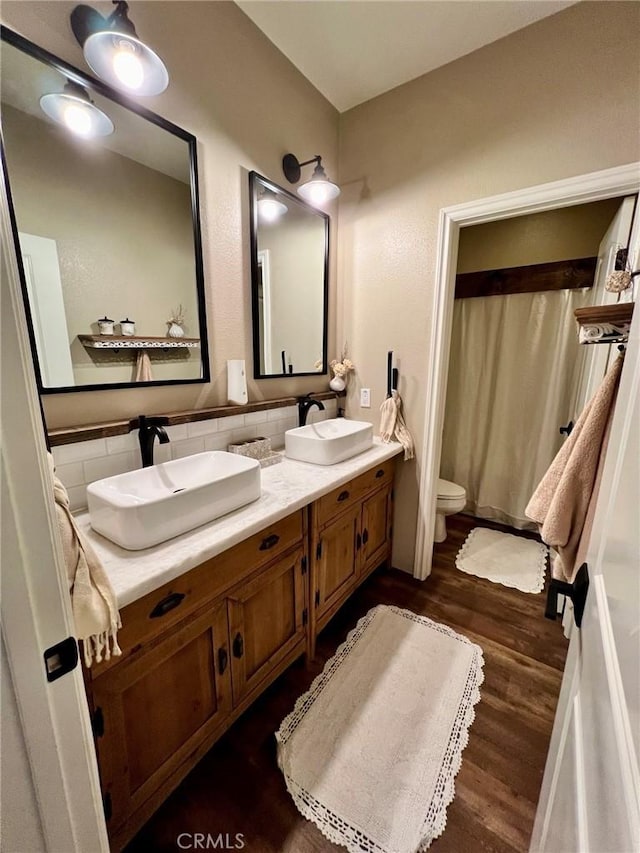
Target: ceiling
{"x":353,"y":50}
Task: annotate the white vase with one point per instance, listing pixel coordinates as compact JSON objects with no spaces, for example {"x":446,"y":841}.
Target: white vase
{"x":337,"y":383}
{"x":175,"y":331}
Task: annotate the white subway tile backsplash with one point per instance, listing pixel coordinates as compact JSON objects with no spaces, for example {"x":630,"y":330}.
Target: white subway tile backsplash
{"x":271,"y":428}
{"x":71,"y":474}
{"x":244,"y":433}
{"x":123,"y":443}
{"x":255,"y":418}
{"x":187,"y":448}
{"x":78,"y":452}
{"x":77,"y":497}
{"x":177,"y":433}
{"x":283,"y":412}
{"x":234,"y":422}
{"x":109,"y":466}
{"x":217,"y":441}
{"x":161,"y":453}
{"x":198,"y":428}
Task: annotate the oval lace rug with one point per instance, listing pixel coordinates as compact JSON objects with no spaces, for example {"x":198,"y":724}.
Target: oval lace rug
{"x":370,"y":752}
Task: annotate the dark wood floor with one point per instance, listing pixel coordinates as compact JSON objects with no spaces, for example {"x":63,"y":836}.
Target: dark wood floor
{"x":237,"y":787}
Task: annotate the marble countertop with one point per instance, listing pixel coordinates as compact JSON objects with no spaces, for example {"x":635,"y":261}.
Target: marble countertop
{"x":286,"y":487}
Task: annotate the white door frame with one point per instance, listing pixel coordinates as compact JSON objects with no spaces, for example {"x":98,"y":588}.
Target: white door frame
{"x":35,"y":605}
{"x":596,"y":186}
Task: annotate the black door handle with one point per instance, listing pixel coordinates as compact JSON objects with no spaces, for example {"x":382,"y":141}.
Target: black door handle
{"x":238,"y":646}
{"x":223,"y":659}
{"x":576,"y":591}
{"x":167,"y":604}
{"x":566,"y":430}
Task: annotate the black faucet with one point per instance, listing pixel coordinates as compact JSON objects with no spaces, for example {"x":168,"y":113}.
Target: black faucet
{"x":148,"y":429}
{"x":304,"y":404}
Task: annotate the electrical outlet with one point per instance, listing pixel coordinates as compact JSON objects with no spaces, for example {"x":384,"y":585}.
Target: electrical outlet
{"x":365,"y":398}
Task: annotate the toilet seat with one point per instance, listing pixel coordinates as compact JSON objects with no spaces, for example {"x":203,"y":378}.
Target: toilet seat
{"x":448,"y":491}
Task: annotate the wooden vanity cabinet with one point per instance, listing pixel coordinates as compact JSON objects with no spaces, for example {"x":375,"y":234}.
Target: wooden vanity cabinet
{"x":201,"y":648}
{"x":196,"y":653}
{"x":351,"y":531}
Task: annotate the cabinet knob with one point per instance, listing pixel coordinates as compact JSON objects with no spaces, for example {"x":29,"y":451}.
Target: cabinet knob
{"x":238,"y":646}
{"x":343,"y":495}
{"x":167,"y":604}
{"x":269,"y":542}
{"x":358,"y":542}
{"x":379,"y":473}
{"x":223,"y":659}
{"x":365,"y":536}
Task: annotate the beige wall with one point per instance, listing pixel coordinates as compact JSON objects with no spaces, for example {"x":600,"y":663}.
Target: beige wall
{"x":124,"y":237}
{"x":247,"y":106}
{"x":541,"y":238}
{"x":557,"y":99}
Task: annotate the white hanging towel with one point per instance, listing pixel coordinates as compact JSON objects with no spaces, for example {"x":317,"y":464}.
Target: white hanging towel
{"x":93,"y":602}
{"x":392,"y":424}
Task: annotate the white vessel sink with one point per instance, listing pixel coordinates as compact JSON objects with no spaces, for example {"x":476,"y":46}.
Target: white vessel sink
{"x":328,"y":442}
{"x":142,"y":508}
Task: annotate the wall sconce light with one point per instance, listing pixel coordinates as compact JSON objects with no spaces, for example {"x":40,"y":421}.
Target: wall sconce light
{"x":318,"y":189}
{"x":270,"y":208}
{"x":74,"y":109}
{"x":113,"y":50}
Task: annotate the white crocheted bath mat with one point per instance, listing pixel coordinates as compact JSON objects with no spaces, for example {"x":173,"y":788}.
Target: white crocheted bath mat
{"x":504,"y":558}
{"x":370,"y":752}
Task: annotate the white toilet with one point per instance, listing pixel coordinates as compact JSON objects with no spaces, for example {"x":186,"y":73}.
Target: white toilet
{"x":451,"y":499}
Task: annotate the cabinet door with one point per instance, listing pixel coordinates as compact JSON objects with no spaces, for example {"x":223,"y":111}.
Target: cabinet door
{"x":336,"y":561}
{"x":377,"y":518}
{"x":266,"y":622}
{"x":159,"y":707}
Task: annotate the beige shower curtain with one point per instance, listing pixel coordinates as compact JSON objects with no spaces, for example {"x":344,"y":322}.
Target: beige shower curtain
{"x":513,"y":373}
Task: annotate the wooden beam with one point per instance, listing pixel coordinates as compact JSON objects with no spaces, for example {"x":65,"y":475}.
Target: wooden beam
{"x":558,"y":275}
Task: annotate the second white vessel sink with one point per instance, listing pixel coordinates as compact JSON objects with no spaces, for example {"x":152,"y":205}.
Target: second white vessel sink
{"x":328,"y":442}
{"x":143,"y":508}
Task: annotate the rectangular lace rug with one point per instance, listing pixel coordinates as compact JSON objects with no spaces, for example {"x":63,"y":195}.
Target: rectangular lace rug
{"x":370,"y":752}
{"x":504,"y":558}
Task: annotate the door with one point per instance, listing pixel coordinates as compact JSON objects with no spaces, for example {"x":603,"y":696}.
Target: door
{"x":590,"y":798}
{"x":53,"y":723}
{"x":266,"y":622}
{"x":44,"y":286}
{"x":336,"y":561}
{"x":598,"y":357}
{"x":158,"y":707}
{"x":377,"y":515}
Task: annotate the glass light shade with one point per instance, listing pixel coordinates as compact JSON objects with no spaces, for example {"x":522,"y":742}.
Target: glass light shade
{"x":126,"y":63}
{"x":318,"y":191}
{"x":77,"y":114}
{"x":270,"y":209}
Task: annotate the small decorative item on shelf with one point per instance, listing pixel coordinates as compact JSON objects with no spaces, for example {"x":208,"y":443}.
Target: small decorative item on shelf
{"x":176,"y":323}
{"x":340,"y":371}
{"x":128,"y":327}
{"x":105,"y":325}
{"x":618,"y":281}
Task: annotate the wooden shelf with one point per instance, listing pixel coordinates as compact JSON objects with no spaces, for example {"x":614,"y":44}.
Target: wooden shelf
{"x":604,"y":324}
{"x":134,"y":342}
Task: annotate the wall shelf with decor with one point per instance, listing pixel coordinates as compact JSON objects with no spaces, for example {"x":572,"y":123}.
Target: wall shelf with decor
{"x":604,"y":324}
{"x":131,"y":342}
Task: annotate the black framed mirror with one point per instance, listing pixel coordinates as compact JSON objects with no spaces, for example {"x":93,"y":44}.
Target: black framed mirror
{"x":289,"y":242}
{"x":103,"y":198}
